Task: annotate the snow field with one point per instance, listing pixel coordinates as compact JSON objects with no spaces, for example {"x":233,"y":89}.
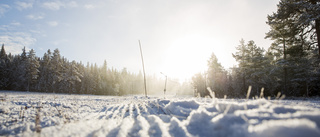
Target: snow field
{"x":88,"y":115}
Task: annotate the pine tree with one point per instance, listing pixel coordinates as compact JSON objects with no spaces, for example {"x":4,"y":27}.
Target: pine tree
{"x":297,"y":21}
{"x":217,"y":76}
{"x":105,"y":85}
{"x":296,"y":25}
{"x":200,"y":85}
{"x":298,"y":69}
{"x":4,"y":69}
{"x":94,"y":82}
{"x":3,"y":52}
{"x":313,"y":73}
{"x":45,"y":79}
{"x":22,"y":79}
{"x":241,"y":57}
{"x":97,"y":79}
{"x":273,"y":71}
{"x":251,"y":66}
{"x":56,"y":67}
{"x":32,"y":70}
{"x":256,"y":67}
{"x":85,"y":80}
{"x":73,"y":76}
{"x":115,"y":82}
{"x":64,"y":85}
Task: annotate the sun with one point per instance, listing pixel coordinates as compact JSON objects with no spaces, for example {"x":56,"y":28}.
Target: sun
{"x":187,"y":56}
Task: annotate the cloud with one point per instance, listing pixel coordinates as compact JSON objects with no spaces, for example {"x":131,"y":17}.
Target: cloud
{"x":16,"y":23}
{"x":59,"y":42}
{"x":14,"y":42}
{"x":9,"y":27}
{"x":23,"y":5}
{"x":53,"y":5}
{"x":35,"y":17}
{"x":72,"y":4}
{"x":3,"y":9}
{"x":89,"y":6}
{"x":57,"y":5}
{"x":4,"y":27}
{"x":53,"y":23}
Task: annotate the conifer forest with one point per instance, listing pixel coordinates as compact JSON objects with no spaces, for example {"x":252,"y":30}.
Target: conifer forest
{"x":53,"y":73}
{"x":291,"y":65}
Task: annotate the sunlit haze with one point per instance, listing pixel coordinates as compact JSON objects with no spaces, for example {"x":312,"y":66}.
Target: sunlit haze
{"x":177,"y":36}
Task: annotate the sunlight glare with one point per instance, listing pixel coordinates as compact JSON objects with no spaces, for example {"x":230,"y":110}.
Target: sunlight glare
{"x":187,"y":56}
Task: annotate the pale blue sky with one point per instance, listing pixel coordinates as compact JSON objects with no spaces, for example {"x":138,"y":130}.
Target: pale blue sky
{"x":177,"y":36}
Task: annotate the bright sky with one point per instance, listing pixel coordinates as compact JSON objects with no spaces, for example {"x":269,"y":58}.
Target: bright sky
{"x":177,"y":36}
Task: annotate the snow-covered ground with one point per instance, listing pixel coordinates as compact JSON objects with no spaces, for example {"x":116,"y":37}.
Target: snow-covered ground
{"x":36,"y":114}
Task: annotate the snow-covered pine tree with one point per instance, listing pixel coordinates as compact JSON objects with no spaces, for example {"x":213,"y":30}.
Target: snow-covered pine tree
{"x":294,"y":20}
{"x":200,"y":85}
{"x":4,"y":69}
{"x":64,"y":83}
{"x":45,"y":79}
{"x":313,"y":80}
{"x":241,"y":57}
{"x":32,"y":70}
{"x":114,"y":80}
{"x":296,"y":26}
{"x":217,"y":77}
{"x":138,"y":83}
{"x":3,"y":52}
{"x":73,"y":76}
{"x":256,"y":67}
{"x":299,"y":68}
{"x":56,"y":66}
{"x":96,"y":85}
{"x":105,"y":86}
{"x":21,"y":78}
{"x":251,"y":66}
{"x":85,"y":80}
{"x":92,"y":85}
{"x":124,"y":82}
{"x":273,"y":72}
{"x":77,"y":85}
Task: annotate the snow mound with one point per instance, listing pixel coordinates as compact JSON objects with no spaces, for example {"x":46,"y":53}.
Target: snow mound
{"x":181,"y":109}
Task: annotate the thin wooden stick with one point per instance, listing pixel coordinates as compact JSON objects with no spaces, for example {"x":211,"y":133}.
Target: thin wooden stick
{"x":144,"y":73}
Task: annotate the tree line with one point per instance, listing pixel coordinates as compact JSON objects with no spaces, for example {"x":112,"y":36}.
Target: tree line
{"x":53,"y":73}
{"x":291,"y":65}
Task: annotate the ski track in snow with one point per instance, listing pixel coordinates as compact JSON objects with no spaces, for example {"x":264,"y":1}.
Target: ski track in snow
{"x":136,"y":116}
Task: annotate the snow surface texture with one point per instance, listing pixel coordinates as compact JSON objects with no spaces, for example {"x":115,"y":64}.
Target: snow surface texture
{"x":35,"y":114}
